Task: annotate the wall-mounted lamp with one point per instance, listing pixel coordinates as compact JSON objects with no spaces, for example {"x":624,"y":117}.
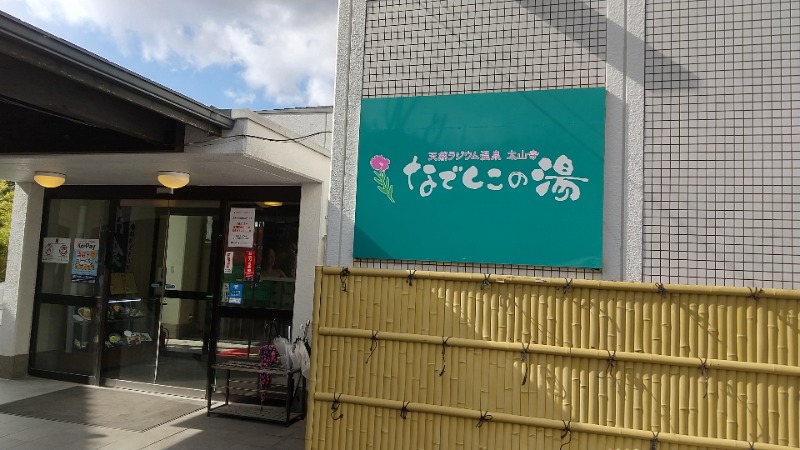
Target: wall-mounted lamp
{"x":173,"y":180}
{"x":49,"y":179}
{"x":271,"y":204}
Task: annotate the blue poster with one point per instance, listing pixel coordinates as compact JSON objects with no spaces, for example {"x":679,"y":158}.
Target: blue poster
{"x":504,"y":178}
{"x":235,"y":294}
{"x":84,"y":260}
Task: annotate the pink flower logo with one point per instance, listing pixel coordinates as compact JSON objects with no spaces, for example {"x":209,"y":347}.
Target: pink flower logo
{"x":381,"y":165}
{"x":378,"y":162}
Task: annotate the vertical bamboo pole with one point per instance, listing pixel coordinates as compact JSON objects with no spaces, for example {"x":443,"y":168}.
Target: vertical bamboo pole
{"x":784,"y":424}
{"x":723,"y":338}
{"x":782,"y":328}
{"x":712,"y":419}
{"x":542,"y":322}
{"x":603,"y":319}
{"x":693,"y":326}
{"x":772,"y":333}
{"x":545,"y":395}
{"x":592,"y":401}
{"x":732,"y":400}
{"x":764,"y":351}
{"x":312,"y":427}
{"x":524,"y":313}
{"x":772,"y":407}
{"x":732,"y":325}
{"x":674,"y":399}
{"x":500,"y":312}
{"x":702,"y":326}
{"x":647,"y":323}
{"x":336,"y":365}
{"x":675,"y":326}
{"x":655,"y":398}
{"x":638,"y":323}
{"x":450,"y":377}
{"x":793,"y":330}
{"x":793,"y":413}
{"x":744,"y":340}
{"x":630,"y":318}
{"x":713,"y":329}
{"x":554,"y":313}
{"x":567,"y":316}
{"x":665,"y":399}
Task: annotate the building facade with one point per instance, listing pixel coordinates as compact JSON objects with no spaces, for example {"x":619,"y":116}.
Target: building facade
{"x":118,"y":277}
{"x":700,"y":129}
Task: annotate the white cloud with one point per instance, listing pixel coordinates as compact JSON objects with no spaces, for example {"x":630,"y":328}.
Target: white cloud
{"x":283,"y":49}
{"x":240,"y":98}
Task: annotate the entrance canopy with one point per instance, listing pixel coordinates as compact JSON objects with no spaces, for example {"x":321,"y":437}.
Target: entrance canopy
{"x":66,"y":110}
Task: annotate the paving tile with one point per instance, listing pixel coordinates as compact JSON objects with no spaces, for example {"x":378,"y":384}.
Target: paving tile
{"x":8,"y":443}
{"x":290,"y":444}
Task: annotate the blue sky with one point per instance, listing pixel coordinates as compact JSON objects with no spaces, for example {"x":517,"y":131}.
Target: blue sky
{"x":255,"y":54}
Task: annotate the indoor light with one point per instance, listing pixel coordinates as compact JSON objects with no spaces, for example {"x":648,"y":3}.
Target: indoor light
{"x":49,"y":179}
{"x":173,"y":180}
{"x":271,"y":204}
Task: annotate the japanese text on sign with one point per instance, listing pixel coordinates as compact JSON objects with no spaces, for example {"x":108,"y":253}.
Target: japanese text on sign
{"x":241,"y":227}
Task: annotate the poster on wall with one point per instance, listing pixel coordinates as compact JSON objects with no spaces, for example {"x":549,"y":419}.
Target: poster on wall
{"x":124,"y":235}
{"x":241,"y":227}
{"x":228,"y":267}
{"x":55,"y":250}
{"x":84,"y":260}
{"x":235,"y":293}
{"x":249,"y":265}
{"x":505,"y":178}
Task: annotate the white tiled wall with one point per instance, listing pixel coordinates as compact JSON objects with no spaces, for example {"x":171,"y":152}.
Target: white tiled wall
{"x":722,"y":143}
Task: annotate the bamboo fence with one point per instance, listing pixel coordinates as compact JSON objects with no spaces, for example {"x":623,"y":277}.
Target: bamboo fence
{"x":431,"y":360}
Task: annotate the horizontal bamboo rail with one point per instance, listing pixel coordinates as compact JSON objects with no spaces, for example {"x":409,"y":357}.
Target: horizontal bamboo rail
{"x":758,"y":368}
{"x":756,"y":293}
{"x":665,"y":437}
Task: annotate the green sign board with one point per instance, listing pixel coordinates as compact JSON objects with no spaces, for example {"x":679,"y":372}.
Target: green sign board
{"x":506,"y":178}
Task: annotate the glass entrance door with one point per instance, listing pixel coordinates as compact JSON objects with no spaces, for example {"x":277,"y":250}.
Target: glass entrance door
{"x":158,"y":313}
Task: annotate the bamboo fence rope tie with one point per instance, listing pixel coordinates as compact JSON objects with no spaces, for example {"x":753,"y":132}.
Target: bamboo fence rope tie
{"x":566,"y":431}
{"x":567,"y":288}
{"x":372,"y":346}
{"x":577,"y":284}
{"x":662,"y":291}
{"x":704,"y":372}
{"x":404,"y":410}
{"x":444,"y":351}
{"x":335,"y":406}
{"x":343,"y":274}
{"x":611,"y":361}
{"x":524,"y":361}
{"x":538,"y":422}
{"x":485,"y":417}
{"x":486,"y":282}
{"x":654,"y":441}
{"x":711,"y":364}
{"x":755,"y":293}
{"x":412,"y":275}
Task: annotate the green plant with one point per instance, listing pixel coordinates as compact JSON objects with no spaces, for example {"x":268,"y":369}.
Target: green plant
{"x":6,"y":201}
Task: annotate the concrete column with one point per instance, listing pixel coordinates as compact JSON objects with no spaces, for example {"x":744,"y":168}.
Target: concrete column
{"x":622,"y":221}
{"x":346,"y":121}
{"x":17,"y":302}
{"x":310,"y":249}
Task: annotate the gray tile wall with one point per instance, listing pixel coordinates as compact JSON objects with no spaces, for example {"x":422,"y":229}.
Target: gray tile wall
{"x":436,"y":47}
{"x":722,"y":143}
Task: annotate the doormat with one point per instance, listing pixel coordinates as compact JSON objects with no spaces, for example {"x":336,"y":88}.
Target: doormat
{"x":103,"y":407}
